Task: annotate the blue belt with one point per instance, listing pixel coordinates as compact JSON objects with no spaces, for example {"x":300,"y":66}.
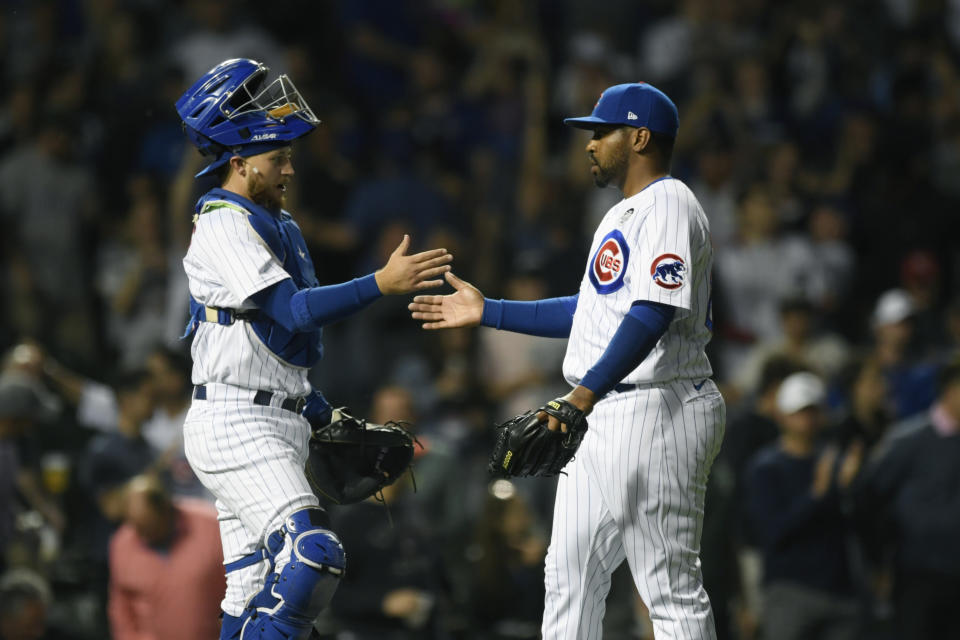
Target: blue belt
{"x":621,"y":387}
{"x":262,"y":398}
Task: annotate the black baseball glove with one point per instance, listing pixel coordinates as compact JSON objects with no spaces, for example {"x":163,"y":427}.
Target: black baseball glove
{"x":352,"y":459}
{"x":525,"y":447}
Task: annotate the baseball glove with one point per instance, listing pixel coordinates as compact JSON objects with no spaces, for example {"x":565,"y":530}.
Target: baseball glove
{"x":526,"y":447}
{"x":352,"y":459}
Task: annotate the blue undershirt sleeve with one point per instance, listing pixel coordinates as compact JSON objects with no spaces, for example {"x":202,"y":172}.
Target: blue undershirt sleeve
{"x":636,"y":337}
{"x":550,"y":318}
{"x":309,"y":309}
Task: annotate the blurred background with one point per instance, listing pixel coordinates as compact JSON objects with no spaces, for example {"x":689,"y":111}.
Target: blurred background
{"x":822,"y":139}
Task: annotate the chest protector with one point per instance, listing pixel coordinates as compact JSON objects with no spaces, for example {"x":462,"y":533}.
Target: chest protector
{"x":282,"y":235}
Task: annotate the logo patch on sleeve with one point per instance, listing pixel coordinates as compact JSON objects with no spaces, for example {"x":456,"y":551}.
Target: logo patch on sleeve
{"x":668,"y":271}
{"x":609,"y":263}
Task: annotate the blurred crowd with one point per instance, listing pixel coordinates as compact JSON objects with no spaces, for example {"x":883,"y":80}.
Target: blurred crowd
{"x":824,"y":147}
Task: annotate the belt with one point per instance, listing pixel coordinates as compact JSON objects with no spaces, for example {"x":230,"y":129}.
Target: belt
{"x":262,"y":398}
{"x":620,"y":387}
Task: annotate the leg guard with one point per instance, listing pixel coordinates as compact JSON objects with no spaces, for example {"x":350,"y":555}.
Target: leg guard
{"x":295,"y":594}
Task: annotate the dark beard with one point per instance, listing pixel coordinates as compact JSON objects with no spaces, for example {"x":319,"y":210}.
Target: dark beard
{"x":601,"y":179}
{"x":613,"y":172}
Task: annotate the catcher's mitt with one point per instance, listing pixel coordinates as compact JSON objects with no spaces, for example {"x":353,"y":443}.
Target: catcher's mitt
{"x":525,"y":447}
{"x":352,"y":459}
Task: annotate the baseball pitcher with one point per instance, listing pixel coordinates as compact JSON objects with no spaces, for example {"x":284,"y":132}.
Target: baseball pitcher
{"x":634,"y":488}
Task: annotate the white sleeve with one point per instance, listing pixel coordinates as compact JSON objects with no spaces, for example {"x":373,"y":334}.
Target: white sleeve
{"x":661,"y":270}
{"x":230,"y":248}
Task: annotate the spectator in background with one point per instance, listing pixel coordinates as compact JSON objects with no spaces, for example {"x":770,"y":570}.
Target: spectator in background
{"x":830,"y":257}
{"x":506,"y":567}
{"x":111,"y":459}
{"x":793,"y":498}
{"x":823,"y":353}
{"x":781,"y":172}
{"x":908,"y":499}
{"x":920,"y":278}
{"x":25,"y":599}
{"x":213,"y":32}
{"x":396,"y":584}
{"x":166,"y":567}
{"x":716,"y":187}
{"x":443,"y":493}
{"x":21,"y":407}
{"x":868,"y":407}
{"x":753,"y":276}
{"x":47,"y":200}
{"x":131,"y":275}
{"x":26,"y":407}
{"x":168,"y":374}
{"x":912,"y":382}
{"x":731,"y":561}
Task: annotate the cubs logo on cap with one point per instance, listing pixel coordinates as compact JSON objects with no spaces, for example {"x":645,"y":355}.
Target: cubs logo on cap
{"x":609,"y":263}
{"x":668,"y":271}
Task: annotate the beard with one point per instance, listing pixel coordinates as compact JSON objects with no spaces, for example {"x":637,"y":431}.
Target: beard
{"x":264,"y":194}
{"x":612,"y":170}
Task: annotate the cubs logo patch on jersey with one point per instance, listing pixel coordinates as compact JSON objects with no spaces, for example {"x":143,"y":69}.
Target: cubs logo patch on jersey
{"x":668,"y":271}
{"x":609,"y":263}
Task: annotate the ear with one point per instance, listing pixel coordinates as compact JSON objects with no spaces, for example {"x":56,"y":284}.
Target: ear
{"x":238,"y":165}
{"x":641,"y":138}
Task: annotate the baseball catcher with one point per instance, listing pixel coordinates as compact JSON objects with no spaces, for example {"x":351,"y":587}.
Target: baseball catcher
{"x":352,"y":459}
{"x":526,"y":446}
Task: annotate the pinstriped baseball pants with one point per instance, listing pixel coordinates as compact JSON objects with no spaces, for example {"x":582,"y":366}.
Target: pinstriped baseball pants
{"x":251,"y":459}
{"x":636,"y":491}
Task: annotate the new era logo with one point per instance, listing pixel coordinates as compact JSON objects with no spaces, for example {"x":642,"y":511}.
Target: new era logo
{"x":631,"y":115}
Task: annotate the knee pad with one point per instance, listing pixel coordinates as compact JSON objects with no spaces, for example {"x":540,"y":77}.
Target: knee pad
{"x":295,"y":594}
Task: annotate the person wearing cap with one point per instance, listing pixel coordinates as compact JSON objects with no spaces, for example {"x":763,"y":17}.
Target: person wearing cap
{"x":907,"y":502}
{"x":257,"y":311}
{"x":793,"y":504}
{"x":800,"y":341}
{"x":637,"y":328}
{"x":912,"y":380}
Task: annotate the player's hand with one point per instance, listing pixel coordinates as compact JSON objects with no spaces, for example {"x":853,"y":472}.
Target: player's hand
{"x":407,"y":273}
{"x":581,"y":397}
{"x":463,"y":308}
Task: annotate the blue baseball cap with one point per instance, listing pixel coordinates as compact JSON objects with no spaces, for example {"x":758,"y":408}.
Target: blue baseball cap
{"x":634,"y":104}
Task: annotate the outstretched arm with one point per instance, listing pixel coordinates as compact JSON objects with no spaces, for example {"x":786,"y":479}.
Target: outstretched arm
{"x":467,"y":307}
{"x":308,"y":309}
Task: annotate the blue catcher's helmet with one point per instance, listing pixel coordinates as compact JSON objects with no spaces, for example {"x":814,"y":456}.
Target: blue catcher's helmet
{"x":231,"y":111}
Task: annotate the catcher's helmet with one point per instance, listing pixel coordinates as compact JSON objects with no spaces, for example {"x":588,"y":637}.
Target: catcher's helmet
{"x":231,"y":109}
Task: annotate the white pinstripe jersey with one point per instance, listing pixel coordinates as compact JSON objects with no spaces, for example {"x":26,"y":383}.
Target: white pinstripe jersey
{"x":228,"y":262}
{"x":654,"y":245}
